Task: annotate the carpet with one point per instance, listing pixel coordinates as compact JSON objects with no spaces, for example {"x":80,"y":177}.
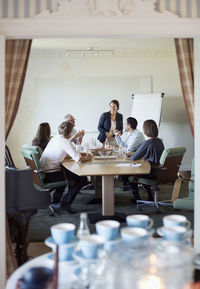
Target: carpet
{"x":40,"y":224}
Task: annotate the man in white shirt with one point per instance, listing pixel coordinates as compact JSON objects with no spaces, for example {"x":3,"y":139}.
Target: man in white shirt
{"x":134,"y":139}
{"x":74,"y":136}
{"x":57,"y":149}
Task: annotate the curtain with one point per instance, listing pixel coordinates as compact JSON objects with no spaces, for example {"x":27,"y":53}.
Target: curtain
{"x":17,"y":55}
{"x":185,"y":55}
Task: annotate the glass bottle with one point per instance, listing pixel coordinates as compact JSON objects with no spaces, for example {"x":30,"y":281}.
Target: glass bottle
{"x":83,"y":229}
{"x":106,"y":144}
{"x":78,"y":145}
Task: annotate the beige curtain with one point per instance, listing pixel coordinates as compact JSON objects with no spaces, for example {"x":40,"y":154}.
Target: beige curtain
{"x":17,"y":55}
{"x":185,"y":55}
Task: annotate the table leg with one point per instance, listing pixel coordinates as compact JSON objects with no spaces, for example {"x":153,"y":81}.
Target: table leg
{"x":108,"y":196}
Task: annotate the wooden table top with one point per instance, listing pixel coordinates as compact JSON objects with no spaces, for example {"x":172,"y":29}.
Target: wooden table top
{"x":107,"y":167}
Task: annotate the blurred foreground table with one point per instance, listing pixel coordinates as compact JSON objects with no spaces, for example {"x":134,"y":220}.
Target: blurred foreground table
{"x":65,"y":275}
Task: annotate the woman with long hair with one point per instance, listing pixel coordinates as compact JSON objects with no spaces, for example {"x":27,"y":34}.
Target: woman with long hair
{"x":42,"y":136}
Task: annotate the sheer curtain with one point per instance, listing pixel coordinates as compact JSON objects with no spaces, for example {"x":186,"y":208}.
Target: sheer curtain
{"x":17,"y":55}
{"x":185,"y":55}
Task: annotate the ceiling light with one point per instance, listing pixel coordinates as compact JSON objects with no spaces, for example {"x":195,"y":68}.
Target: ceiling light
{"x":90,"y":51}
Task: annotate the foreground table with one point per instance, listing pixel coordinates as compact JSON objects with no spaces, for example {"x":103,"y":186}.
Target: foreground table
{"x":66,"y":269}
{"x":108,"y":169}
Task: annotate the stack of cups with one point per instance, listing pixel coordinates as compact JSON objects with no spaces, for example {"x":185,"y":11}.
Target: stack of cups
{"x":109,"y":230}
{"x":63,"y":235}
{"x":137,"y":233}
{"x":176,"y":228}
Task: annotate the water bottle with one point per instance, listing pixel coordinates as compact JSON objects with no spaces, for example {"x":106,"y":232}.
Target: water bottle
{"x":78,"y":145}
{"x":106,"y":144}
{"x":83,"y":229}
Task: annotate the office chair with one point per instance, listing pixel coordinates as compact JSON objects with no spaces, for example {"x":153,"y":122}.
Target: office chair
{"x":166,"y":172}
{"x":22,"y":202}
{"x":31,"y":156}
{"x":186,"y":203}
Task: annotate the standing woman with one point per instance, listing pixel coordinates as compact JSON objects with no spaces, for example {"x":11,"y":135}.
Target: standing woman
{"x":42,"y":136}
{"x":110,"y":122}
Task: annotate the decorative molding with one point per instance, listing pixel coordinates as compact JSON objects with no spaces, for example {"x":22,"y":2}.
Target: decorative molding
{"x":137,"y":9}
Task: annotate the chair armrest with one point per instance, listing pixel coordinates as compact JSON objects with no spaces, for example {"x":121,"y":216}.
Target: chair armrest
{"x":185,"y":176}
{"x":44,"y":170}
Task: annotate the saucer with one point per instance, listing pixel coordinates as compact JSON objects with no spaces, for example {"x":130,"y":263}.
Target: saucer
{"x":187,"y":235}
{"x":112,"y":243}
{"x":51,"y":243}
{"x":69,"y":262}
{"x":78,"y":256}
{"x":77,"y":272}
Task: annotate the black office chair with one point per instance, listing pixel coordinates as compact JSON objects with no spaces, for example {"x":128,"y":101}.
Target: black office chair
{"x":22,"y":202}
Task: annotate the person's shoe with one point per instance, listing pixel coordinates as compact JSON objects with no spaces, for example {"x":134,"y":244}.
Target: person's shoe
{"x":68,"y":209}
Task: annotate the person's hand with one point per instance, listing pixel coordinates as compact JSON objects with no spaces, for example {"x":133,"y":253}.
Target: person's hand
{"x":82,"y":132}
{"x":117,"y":132}
{"x":89,"y":157}
{"x":77,"y":135}
{"x":129,"y":154}
{"x":108,"y":134}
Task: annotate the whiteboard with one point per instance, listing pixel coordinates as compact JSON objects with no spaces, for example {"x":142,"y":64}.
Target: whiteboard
{"x":147,"y":106}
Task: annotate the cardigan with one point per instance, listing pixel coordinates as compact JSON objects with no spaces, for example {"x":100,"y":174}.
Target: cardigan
{"x":105,"y":124}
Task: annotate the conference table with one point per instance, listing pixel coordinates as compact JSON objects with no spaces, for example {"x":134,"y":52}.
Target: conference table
{"x":108,"y":168}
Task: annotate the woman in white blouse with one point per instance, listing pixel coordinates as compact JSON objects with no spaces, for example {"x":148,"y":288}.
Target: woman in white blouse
{"x":55,"y":152}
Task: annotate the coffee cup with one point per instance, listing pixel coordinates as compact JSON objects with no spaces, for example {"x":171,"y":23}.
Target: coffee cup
{"x":176,"y":220}
{"x":137,"y":236}
{"x":90,"y":245}
{"x":175,"y":233}
{"x":139,"y":220}
{"x":65,"y":251}
{"x":63,"y":233}
{"x":108,"y":229}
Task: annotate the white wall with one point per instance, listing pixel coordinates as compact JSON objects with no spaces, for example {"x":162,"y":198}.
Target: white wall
{"x":148,"y":58}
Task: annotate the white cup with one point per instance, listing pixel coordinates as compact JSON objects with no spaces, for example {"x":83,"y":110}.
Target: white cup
{"x":90,"y":244}
{"x":176,"y":220}
{"x":139,"y":220}
{"x":108,"y":229}
{"x":62,"y":233}
{"x":137,"y":236}
{"x":175,"y":233}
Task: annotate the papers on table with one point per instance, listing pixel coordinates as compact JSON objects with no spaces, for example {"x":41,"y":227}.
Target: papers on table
{"x":104,"y":157}
{"x":128,"y":165}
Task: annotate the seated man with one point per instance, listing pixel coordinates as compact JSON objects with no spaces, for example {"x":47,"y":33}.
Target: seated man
{"x":74,"y":136}
{"x":134,"y":139}
{"x":55,"y":152}
{"x":131,"y":143}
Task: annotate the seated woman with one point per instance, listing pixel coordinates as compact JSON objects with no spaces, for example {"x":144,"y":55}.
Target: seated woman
{"x":151,"y":150}
{"x":135,"y":137}
{"x":42,"y":136}
{"x":57,"y":149}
